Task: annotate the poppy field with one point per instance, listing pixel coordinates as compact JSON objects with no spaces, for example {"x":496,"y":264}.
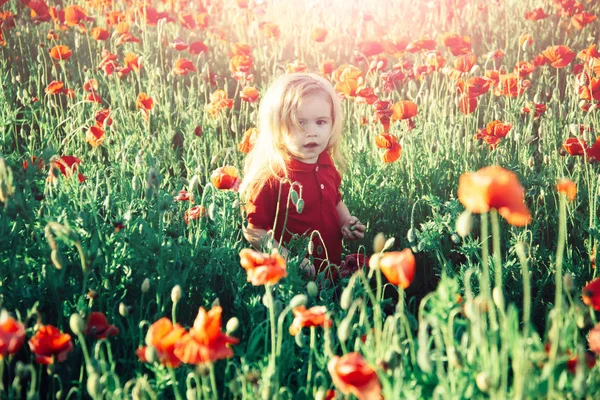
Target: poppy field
{"x":470,"y":141}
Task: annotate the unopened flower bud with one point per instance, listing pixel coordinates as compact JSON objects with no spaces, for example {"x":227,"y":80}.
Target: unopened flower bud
{"x":312,"y":289}
{"x":76,"y":324}
{"x":176,"y":294}
{"x":93,"y":385}
{"x":483,"y":381}
{"x":378,"y":242}
{"x":151,"y":354}
{"x":346,"y":298}
{"x":374,"y":260}
{"x":232,"y":325}
{"x":344,"y":329}
{"x":298,"y":300}
{"x":123,"y":310}
{"x":57,"y":259}
{"x":498,"y":298}
{"x":145,"y":285}
{"x":464,"y":223}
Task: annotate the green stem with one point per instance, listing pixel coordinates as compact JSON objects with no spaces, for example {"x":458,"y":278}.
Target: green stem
{"x":313,"y":336}
{"x":174,"y":383}
{"x":213,"y":381}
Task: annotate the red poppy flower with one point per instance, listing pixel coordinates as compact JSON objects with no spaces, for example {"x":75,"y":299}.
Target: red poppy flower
{"x":218,"y":102}
{"x":296,"y":66}
{"x":144,"y":103}
{"x":467,"y":104}
{"x":67,"y":165}
{"x":580,"y":20}
{"x":262,"y":268}
{"x":240,"y":66}
{"x":494,"y":187}
{"x":37,"y":161}
{"x":240,"y":49}
{"x":457,"y":44}
{"x":495,"y":55}
{"x":270,"y":30}
{"x":98,"y":326}
{"x":248,"y":140}
{"x":352,"y":375}
{"x":370,"y":48}
{"x":524,"y":68}
{"x":465,"y":62}
{"x":536,"y":15}
{"x":178,"y":45}
{"x":163,"y":336}
{"x":398,"y":267}
{"x":559,"y":56}
{"x":103,"y":117}
{"x":12,"y":335}
{"x":474,"y":86}
{"x":404,"y":109}
{"x":94,"y":97}
{"x":249,"y":94}
{"x":197,"y":47}
{"x":352,"y":263}
{"x":303,"y":318}
{"x":94,"y":136}
{"x":575,"y":146}
{"x":539,"y":110}
{"x":390,"y":143}
{"x":591,"y":90}
{"x":99,"y":34}
{"x":511,"y":85}
{"x":184,"y":195}
{"x":421,"y":44}
{"x":225,"y":178}
{"x":318,"y":34}
{"x":591,"y":294}
{"x":205,"y":342}
{"x":76,"y":15}
{"x":132,"y":61}
{"x":49,"y":344}
{"x":55,"y":87}
{"x":366,"y":95}
{"x":61,"y":52}
{"x":183,"y":66}
{"x":194,"y":213}
{"x":126,"y":38}
{"x":590,"y":361}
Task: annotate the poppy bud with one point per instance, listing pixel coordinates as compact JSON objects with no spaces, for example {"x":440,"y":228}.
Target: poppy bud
{"x":312,"y":289}
{"x":593,"y":107}
{"x":151,"y":354}
{"x":389,"y":244}
{"x":7,"y":188}
{"x":266,"y":300}
{"x":411,"y":236}
{"x":346,"y":298}
{"x":344,"y":329}
{"x":145,"y":285}
{"x":176,"y":294}
{"x":483,"y":381}
{"x":93,"y":385}
{"x":464,"y":223}
{"x":498,"y":298}
{"x":379,"y":243}
{"x":232,"y":325}
{"x":311,"y":247}
{"x":475,"y":69}
{"x":321,"y":394}
{"x":194,"y":185}
{"x":374,"y":260}
{"x":299,"y":338}
{"x":300,"y":206}
{"x":123,"y":310}
{"x":568,"y":282}
{"x":190,"y":394}
{"x":76,"y":324}
{"x":423,"y":360}
{"x":298,"y":300}
{"x":531,"y":162}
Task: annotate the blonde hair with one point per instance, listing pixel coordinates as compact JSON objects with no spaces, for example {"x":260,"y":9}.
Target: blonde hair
{"x":277,"y":118}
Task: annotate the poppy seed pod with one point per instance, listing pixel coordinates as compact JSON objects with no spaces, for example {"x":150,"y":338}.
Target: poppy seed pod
{"x":298,"y":300}
{"x":176,"y":294}
{"x":312,"y":289}
{"x":346,"y":298}
{"x":145,"y":285}
{"x":93,"y":385}
{"x":344,"y":329}
{"x":76,"y":324}
{"x":123,"y":310}
{"x":232,"y":325}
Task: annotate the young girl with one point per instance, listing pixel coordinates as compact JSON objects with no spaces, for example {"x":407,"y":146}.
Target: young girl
{"x":300,"y":130}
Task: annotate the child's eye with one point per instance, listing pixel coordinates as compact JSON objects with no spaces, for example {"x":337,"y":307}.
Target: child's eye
{"x":302,"y":123}
{"x":321,"y":122}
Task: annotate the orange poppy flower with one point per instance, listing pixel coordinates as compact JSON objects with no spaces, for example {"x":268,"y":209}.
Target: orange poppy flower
{"x":12,"y":335}
{"x":398,"y":267}
{"x":326,"y":67}
{"x":511,"y":85}
{"x":318,"y":34}
{"x":465,"y":62}
{"x":37,"y":161}
{"x":539,"y":110}
{"x":94,"y":136}
{"x":575,"y":146}
{"x":525,"y":38}
{"x":205,"y":342}
{"x":536,"y":15}
{"x":184,"y":195}
{"x":186,"y":20}
{"x":103,"y":117}
{"x":435,"y":60}
{"x":270,"y":30}
{"x":248,"y":140}
{"x":75,"y":15}
{"x":390,"y":143}
{"x":580,"y":20}
{"x":567,"y":187}
{"x":239,"y":49}
{"x":225,"y":178}
{"x":55,"y":87}
{"x":262,"y":268}
{"x":495,"y":55}
{"x":370,"y":48}
{"x":178,"y":45}
{"x":350,"y":87}
{"x":591,"y":90}
{"x":100,"y":34}
{"x":49,"y":344}
{"x":194,"y":213}
{"x":590,"y":52}
{"x":352,"y":375}
{"x":474,"y":86}
{"x":249,"y":94}
{"x":163,"y":336}
{"x":198,"y":47}
{"x":494,"y":187}
{"x":132,"y":61}
{"x":61,"y":52}
{"x":218,"y":102}
{"x":183,"y":66}
{"x":94,"y":97}
{"x":395,"y":47}
{"x":457,"y":44}
{"x":497,"y":128}
{"x":240,"y":66}
{"x":144,"y":103}
{"x":296,"y":66}
{"x":404,"y":109}
{"x":559,"y":56}
{"x":524,"y":68}
{"x":303,"y":318}
{"x":126,"y":38}
{"x":98,"y":326}
{"x":345,"y":72}
{"x":591,"y":294}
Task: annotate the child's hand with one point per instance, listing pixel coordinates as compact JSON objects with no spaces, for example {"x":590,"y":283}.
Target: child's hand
{"x":353,"y":229}
{"x":308,"y":268}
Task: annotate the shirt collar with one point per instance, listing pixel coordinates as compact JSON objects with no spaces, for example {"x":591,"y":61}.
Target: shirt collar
{"x":323,"y":160}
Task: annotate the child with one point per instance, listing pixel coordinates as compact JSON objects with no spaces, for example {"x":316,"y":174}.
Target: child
{"x":300,"y":130}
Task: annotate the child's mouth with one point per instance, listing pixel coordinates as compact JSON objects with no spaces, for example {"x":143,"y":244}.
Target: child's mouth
{"x":311,"y":145}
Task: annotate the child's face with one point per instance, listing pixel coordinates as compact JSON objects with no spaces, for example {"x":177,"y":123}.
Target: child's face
{"x":307,"y":141}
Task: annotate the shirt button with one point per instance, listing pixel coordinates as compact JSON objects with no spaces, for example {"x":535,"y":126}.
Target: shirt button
{"x":317,"y":168}
{"x":322,"y":186}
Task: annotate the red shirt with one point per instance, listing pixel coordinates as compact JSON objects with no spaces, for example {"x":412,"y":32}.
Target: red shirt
{"x":320,"y":192}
